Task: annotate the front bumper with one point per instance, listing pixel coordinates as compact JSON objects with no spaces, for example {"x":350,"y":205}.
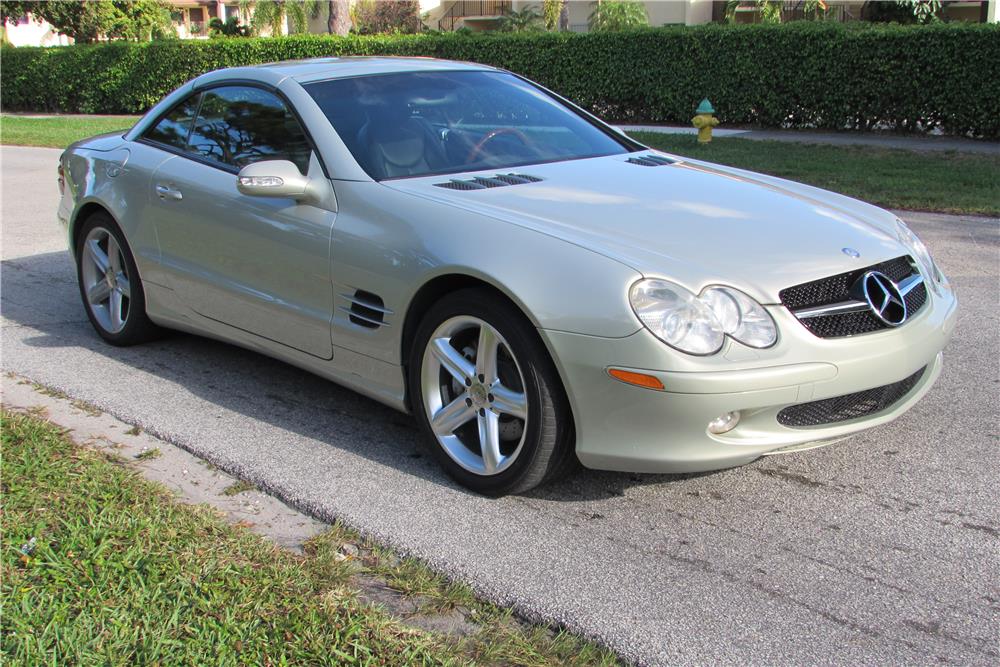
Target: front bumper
{"x":628,"y":428}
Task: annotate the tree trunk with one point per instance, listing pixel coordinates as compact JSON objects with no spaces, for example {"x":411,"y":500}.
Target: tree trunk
{"x":564,"y":16}
{"x":339,"y":22}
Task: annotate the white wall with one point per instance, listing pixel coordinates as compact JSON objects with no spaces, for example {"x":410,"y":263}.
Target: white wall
{"x":666,"y":13}
{"x":578,"y":12}
{"x":699,"y":11}
{"x":319,"y":24}
{"x":35,"y":33}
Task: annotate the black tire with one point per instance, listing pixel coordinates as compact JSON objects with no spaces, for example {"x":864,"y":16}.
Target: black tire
{"x":547,"y":450}
{"x":138,"y":328}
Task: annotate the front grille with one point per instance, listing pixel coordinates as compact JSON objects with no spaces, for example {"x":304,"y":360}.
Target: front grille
{"x":849,"y":406}
{"x":915,"y":299}
{"x":838,"y":289}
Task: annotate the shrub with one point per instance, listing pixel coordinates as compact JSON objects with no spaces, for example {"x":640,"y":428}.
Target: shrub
{"x":804,"y":74}
{"x":231,"y":28}
{"x":380,"y":16}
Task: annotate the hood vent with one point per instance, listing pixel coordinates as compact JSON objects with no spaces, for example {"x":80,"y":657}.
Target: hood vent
{"x":651,"y":160}
{"x":484,"y":182}
{"x":366,"y":310}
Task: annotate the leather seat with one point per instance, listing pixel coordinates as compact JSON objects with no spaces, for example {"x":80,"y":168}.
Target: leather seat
{"x":403,"y":148}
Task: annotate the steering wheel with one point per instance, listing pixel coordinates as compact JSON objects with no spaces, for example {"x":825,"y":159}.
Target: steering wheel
{"x":493,"y":134}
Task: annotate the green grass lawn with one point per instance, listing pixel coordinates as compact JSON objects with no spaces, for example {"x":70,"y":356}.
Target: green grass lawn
{"x":948,"y":182}
{"x":121,"y":574}
{"x":58,"y":131}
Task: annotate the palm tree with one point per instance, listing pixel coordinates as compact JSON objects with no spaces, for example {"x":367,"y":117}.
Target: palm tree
{"x":275,"y":14}
{"x":339,"y":17}
{"x":552,"y":11}
{"x":612,"y":15}
{"x":525,"y":20}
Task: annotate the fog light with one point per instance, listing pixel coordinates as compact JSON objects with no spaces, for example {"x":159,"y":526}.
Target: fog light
{"x":724,"y":423}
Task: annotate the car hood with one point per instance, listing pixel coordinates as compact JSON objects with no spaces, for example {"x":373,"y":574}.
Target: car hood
{"x":692,"y":222}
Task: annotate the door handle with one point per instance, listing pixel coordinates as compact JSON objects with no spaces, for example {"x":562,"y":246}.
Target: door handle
{"x":167,"y":192}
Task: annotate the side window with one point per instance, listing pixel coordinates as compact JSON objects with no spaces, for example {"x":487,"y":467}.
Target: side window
{"x":240,"y":125}
{"x":173,"y":128}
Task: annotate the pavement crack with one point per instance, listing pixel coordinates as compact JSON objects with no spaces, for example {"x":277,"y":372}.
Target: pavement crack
{"x":986,"y":529}
{"x":935,"y":629}
{"x":792,"y":477}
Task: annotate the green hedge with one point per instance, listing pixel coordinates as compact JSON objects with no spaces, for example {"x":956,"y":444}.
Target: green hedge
{"x":805,"y":74}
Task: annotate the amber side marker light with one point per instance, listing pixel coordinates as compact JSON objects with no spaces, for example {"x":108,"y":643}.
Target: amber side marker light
{"x":637,"y":379}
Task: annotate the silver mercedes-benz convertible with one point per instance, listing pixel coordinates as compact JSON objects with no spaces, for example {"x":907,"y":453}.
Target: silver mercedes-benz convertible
{"x":534,"y":286}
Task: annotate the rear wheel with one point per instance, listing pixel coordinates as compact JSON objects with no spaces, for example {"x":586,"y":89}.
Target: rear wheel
{"x":109,"y":284}
{"x":487,"y":395}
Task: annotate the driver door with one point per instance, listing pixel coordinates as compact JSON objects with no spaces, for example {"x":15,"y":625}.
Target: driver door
{"x":257,"y":264}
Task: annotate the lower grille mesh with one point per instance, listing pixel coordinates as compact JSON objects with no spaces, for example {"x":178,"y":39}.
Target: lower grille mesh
{"x":848,"y":406}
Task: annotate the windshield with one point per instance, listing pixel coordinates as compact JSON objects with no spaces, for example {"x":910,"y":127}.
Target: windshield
{"x":422,"y":123}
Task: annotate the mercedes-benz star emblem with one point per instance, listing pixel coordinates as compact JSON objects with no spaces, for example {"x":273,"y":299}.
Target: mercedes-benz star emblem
{"x":851,"y":252}
{"x":884,"y":298}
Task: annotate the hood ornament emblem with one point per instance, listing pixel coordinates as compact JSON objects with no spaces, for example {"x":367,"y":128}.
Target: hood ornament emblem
{"x":884,"y":298}
{"x":851,"y":252}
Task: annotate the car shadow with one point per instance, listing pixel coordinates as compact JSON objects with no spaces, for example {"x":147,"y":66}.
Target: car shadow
{"x":239,"y":380}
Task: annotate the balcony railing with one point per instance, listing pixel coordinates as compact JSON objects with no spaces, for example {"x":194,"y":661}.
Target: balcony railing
{"x":466,"y":8}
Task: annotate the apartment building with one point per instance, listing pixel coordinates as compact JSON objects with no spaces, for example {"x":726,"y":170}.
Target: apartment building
{"x":191,"y":18}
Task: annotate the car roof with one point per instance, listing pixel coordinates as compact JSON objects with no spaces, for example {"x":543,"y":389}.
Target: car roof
{"x":321,"y":69}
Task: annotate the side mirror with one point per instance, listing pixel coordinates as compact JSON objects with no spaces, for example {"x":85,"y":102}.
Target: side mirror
{"x":274,"y":178}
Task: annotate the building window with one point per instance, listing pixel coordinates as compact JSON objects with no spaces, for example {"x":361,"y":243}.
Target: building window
{"x":196,"y":18}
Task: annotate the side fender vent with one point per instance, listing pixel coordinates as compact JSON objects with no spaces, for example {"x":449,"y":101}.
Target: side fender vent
{"x":366,"y":310}
{"x":651,"y":160}
{"x":485,"y":182}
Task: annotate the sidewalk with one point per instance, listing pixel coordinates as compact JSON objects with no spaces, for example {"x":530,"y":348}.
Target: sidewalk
{"x":881,"y":140}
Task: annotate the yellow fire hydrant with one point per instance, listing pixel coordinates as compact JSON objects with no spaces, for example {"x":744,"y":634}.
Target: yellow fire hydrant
{"x":704,"y":121}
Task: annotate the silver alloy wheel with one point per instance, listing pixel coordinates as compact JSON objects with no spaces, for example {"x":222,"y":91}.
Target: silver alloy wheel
{"x":106,"y":281}
{"x":474,"y":395}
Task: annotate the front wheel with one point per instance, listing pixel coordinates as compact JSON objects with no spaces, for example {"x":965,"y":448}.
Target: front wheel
{"x":487,"y":395}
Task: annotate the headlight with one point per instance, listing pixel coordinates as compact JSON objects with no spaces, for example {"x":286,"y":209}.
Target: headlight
{"x":700,"y":324}
{"x":741,"y":317}
{"x":919,"y":251}
{"x":677,"y":317}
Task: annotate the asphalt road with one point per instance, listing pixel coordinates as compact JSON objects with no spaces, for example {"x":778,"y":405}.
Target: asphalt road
{"x":879,"y":550}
